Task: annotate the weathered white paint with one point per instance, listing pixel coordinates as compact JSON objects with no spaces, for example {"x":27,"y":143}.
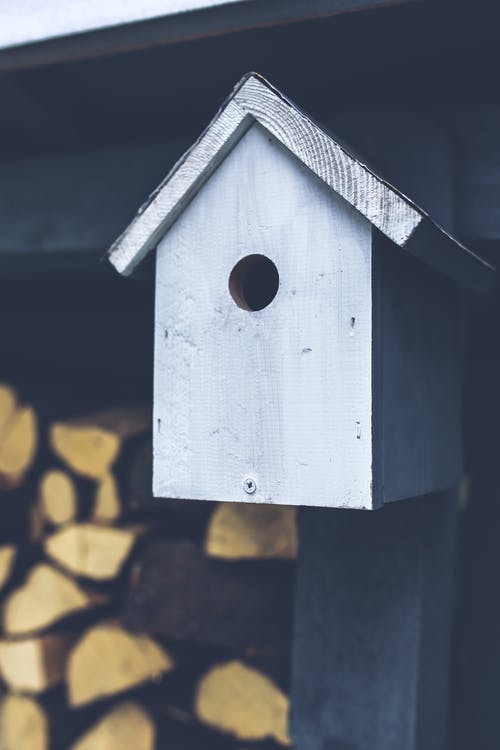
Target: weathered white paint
{"x":282,"y":395}
{"x":169,"y":200}
{"x":256,"y":100}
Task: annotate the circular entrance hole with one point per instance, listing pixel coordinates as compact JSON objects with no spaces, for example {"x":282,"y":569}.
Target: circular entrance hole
{"x":254,"y":282}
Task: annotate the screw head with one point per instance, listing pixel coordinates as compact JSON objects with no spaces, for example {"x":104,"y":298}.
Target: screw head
{"x":249,"y":485}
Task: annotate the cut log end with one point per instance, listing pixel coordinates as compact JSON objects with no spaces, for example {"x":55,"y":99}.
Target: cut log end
{"x":107,"y":505}
{"x":8,"y":404}
{"x":247,"y":531}
{"x":18,"y":444}
{"x":244,"y":703}
{"x":126,"y":725}
{"x":108,"y":660}
{"x":89,"y":451}
{"x":58,"y":497}
{"x":23,"y":724}
{"x":90,"y":446}
{"x":90,"y":550}
{"x":34,"y":665}
{"x":46,"y":597}
{"x":8,"y":555}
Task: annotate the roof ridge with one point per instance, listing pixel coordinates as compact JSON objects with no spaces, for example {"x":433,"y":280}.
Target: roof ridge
{"x":254,"y":99}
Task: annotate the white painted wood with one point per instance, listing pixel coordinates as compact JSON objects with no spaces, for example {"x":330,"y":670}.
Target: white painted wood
{"x":394,"y":215}
{"x":254,"y":99}
{"x":282,"y":395}
{"x":187,"y":176}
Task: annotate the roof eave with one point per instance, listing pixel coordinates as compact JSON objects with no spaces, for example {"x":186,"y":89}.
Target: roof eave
{"x":254,"y":99}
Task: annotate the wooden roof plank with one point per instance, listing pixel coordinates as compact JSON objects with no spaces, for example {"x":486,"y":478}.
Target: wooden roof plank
{"x":255,"y":99}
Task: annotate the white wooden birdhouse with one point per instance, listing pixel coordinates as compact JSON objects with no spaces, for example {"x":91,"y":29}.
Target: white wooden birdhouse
{"x":307,"y":324}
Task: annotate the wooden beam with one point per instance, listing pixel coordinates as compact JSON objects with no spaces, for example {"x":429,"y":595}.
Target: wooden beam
{"x":372,"y":622}
{"x":77,"y":202}
{"x":62,"y":211}
{"x":40,"y":34}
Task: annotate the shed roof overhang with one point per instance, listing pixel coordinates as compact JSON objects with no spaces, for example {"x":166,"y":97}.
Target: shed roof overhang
{"x":34,"y":33}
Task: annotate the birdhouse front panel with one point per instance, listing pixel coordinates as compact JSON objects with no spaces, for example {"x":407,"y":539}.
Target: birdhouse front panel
{"x":263,"y":338}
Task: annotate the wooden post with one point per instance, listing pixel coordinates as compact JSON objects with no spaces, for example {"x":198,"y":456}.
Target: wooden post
{"x":372,"y":627}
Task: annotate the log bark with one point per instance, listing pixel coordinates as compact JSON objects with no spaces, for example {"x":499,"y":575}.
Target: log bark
{"x":239,"y":532}
{"x":58,"y":497}
{"x":23,"y":724}
{"x":108,"y":660}
{"x":34,"y":665}
{"x":36,"y":522}
{"x":91,"y":551}
{"x":243,"y":702}
{"x":179,"y":593}
{"x":126,"y":725}
{"x":46,"y":597}
{"x":90,"y":446}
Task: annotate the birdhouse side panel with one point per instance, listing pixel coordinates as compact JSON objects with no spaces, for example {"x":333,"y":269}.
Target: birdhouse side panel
{"x":417,"y":377}
{"x":263,"y":339}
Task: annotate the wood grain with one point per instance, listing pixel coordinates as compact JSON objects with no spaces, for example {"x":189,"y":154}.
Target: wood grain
{"x":384,"y":206}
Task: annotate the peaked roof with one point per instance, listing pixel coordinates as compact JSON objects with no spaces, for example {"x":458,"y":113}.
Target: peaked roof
{"x":255,"y":99}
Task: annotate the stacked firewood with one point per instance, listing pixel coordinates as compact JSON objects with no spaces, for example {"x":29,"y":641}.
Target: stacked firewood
{"x":129,"y":621}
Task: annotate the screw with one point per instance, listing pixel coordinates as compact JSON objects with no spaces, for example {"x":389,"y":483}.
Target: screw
{"x":249,"y":485}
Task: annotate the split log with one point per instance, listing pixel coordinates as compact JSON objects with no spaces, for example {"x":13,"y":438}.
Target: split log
{"x":46,"y":597}
{"x":180,"y":593}
{"x":108,"y":660}
{"x":18,"y":443}
{"x":23,"y":724}
{"x":58,"y":497}
{"x":243,"y":702}
{"x":239,"y":531}
{"x":90,"y":446}
{"x":126,"y":725}
{"x":8,"y":555}
{"x":8,"y":403}
{"x":107,"y":505}
{"x":35,"y":664}
{"x":91,"y":551}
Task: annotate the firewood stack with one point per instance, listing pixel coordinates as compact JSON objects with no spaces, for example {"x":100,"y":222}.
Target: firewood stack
{"x":129,"y":621}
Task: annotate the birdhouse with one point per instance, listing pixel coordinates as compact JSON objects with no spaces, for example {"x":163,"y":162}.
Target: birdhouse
{"x":307,"y":319}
